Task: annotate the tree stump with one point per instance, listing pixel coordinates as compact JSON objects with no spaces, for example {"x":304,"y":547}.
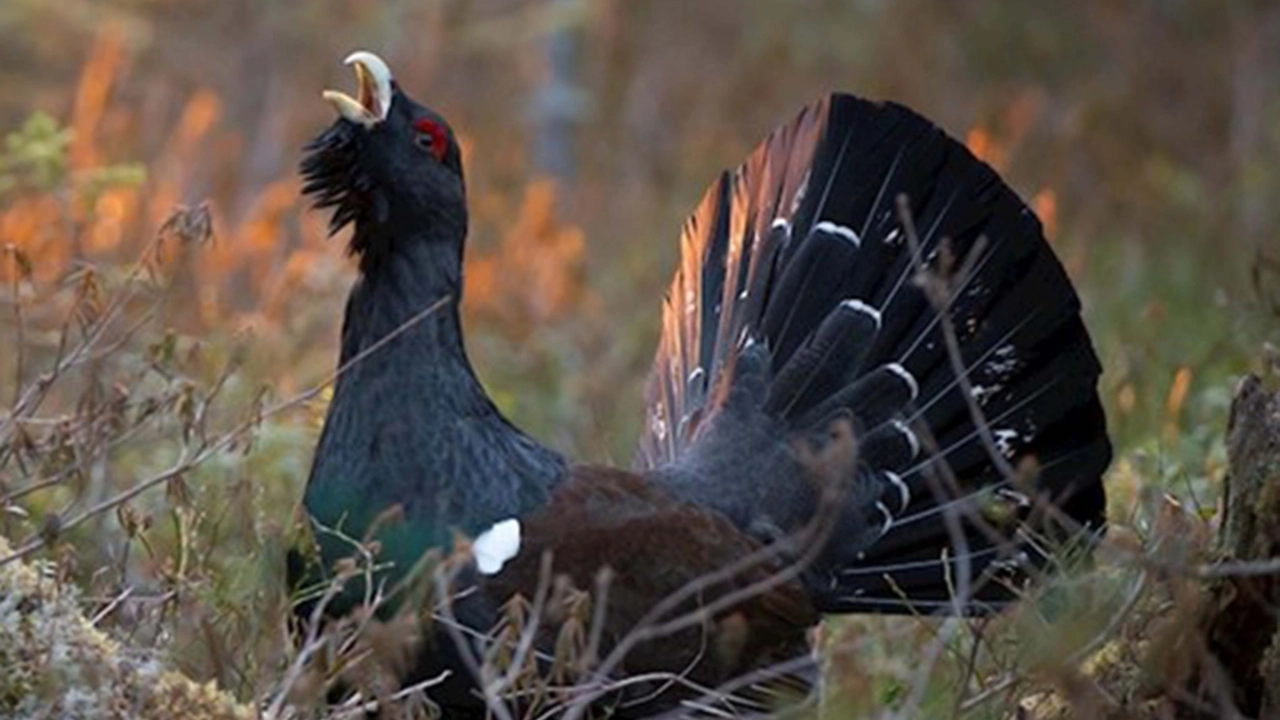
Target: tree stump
{"x":1239,"y":621}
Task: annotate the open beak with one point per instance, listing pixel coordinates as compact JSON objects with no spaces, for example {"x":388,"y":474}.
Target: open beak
{"x":373,"y":91}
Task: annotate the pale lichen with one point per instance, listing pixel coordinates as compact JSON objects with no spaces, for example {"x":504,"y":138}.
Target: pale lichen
{"x":55,"y":663}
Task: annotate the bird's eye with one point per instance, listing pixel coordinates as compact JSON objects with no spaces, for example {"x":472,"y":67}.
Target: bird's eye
{"x":432,"y":137}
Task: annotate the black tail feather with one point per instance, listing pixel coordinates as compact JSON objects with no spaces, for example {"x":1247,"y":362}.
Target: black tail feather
{"x":803,"y":250}
{"x":833,"y":353}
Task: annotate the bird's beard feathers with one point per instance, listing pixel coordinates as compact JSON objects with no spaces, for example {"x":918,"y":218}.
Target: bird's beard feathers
{"x":333,"y":176}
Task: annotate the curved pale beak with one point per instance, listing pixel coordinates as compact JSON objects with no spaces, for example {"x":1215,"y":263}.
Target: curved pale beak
{"x":373,"y":91}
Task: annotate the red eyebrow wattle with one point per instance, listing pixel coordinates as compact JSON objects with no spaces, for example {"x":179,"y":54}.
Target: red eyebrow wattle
{"x":439,"y":136}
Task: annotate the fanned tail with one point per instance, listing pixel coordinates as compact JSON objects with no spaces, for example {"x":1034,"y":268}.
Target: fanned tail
{"x":802,"y":253}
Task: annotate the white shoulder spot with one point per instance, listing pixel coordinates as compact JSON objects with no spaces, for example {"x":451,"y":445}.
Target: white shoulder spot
{"x":495,"y":546}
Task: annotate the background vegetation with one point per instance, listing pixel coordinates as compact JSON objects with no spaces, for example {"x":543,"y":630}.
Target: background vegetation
{"x":160,"y":414}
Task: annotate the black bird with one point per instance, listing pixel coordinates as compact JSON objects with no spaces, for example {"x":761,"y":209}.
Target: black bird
{"x":873,"y":393}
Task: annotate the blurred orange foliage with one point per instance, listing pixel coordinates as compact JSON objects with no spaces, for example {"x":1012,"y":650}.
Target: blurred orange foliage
{"x":1045,"y":205}
{"x":1123,"y":150}
{"x":92,"y":93}
{"x":537,"y":272}
{"x":1178,"y":392}
{"x":981,"y":144}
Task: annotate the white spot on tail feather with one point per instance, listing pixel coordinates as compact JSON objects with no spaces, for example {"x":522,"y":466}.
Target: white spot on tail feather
{"x":696,"y":375}
{"x":495,"y":546}
{"x":857,"y":305}
{"x":1011,"y":564}
{"x":982,"y":393}
{"x":1015,"y":497}
{"x":904,"y":492}
{"x":891,"y":237}
{"x":782,"y":223}
{"x":658,"y":423}
{"x":911,"y":437}
{"x":888,"y":517}
{"x":800,"y":192}
{"x":907,"y":377}
{"x":838,"y":230}
{"x":1004,"y":438}
{"x":1004,"y":362}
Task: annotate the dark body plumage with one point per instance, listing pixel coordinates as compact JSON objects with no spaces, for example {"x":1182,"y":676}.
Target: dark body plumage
{"x":807,"y":434}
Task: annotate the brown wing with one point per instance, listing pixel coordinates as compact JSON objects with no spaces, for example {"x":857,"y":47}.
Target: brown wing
{"x":725,"y":615}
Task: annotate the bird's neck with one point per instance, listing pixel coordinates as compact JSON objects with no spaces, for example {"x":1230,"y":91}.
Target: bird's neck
{"x":409,"y":296}
{"x":409,"y":423}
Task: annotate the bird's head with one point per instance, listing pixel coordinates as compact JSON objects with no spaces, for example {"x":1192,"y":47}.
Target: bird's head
{"x":387,"y":164}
